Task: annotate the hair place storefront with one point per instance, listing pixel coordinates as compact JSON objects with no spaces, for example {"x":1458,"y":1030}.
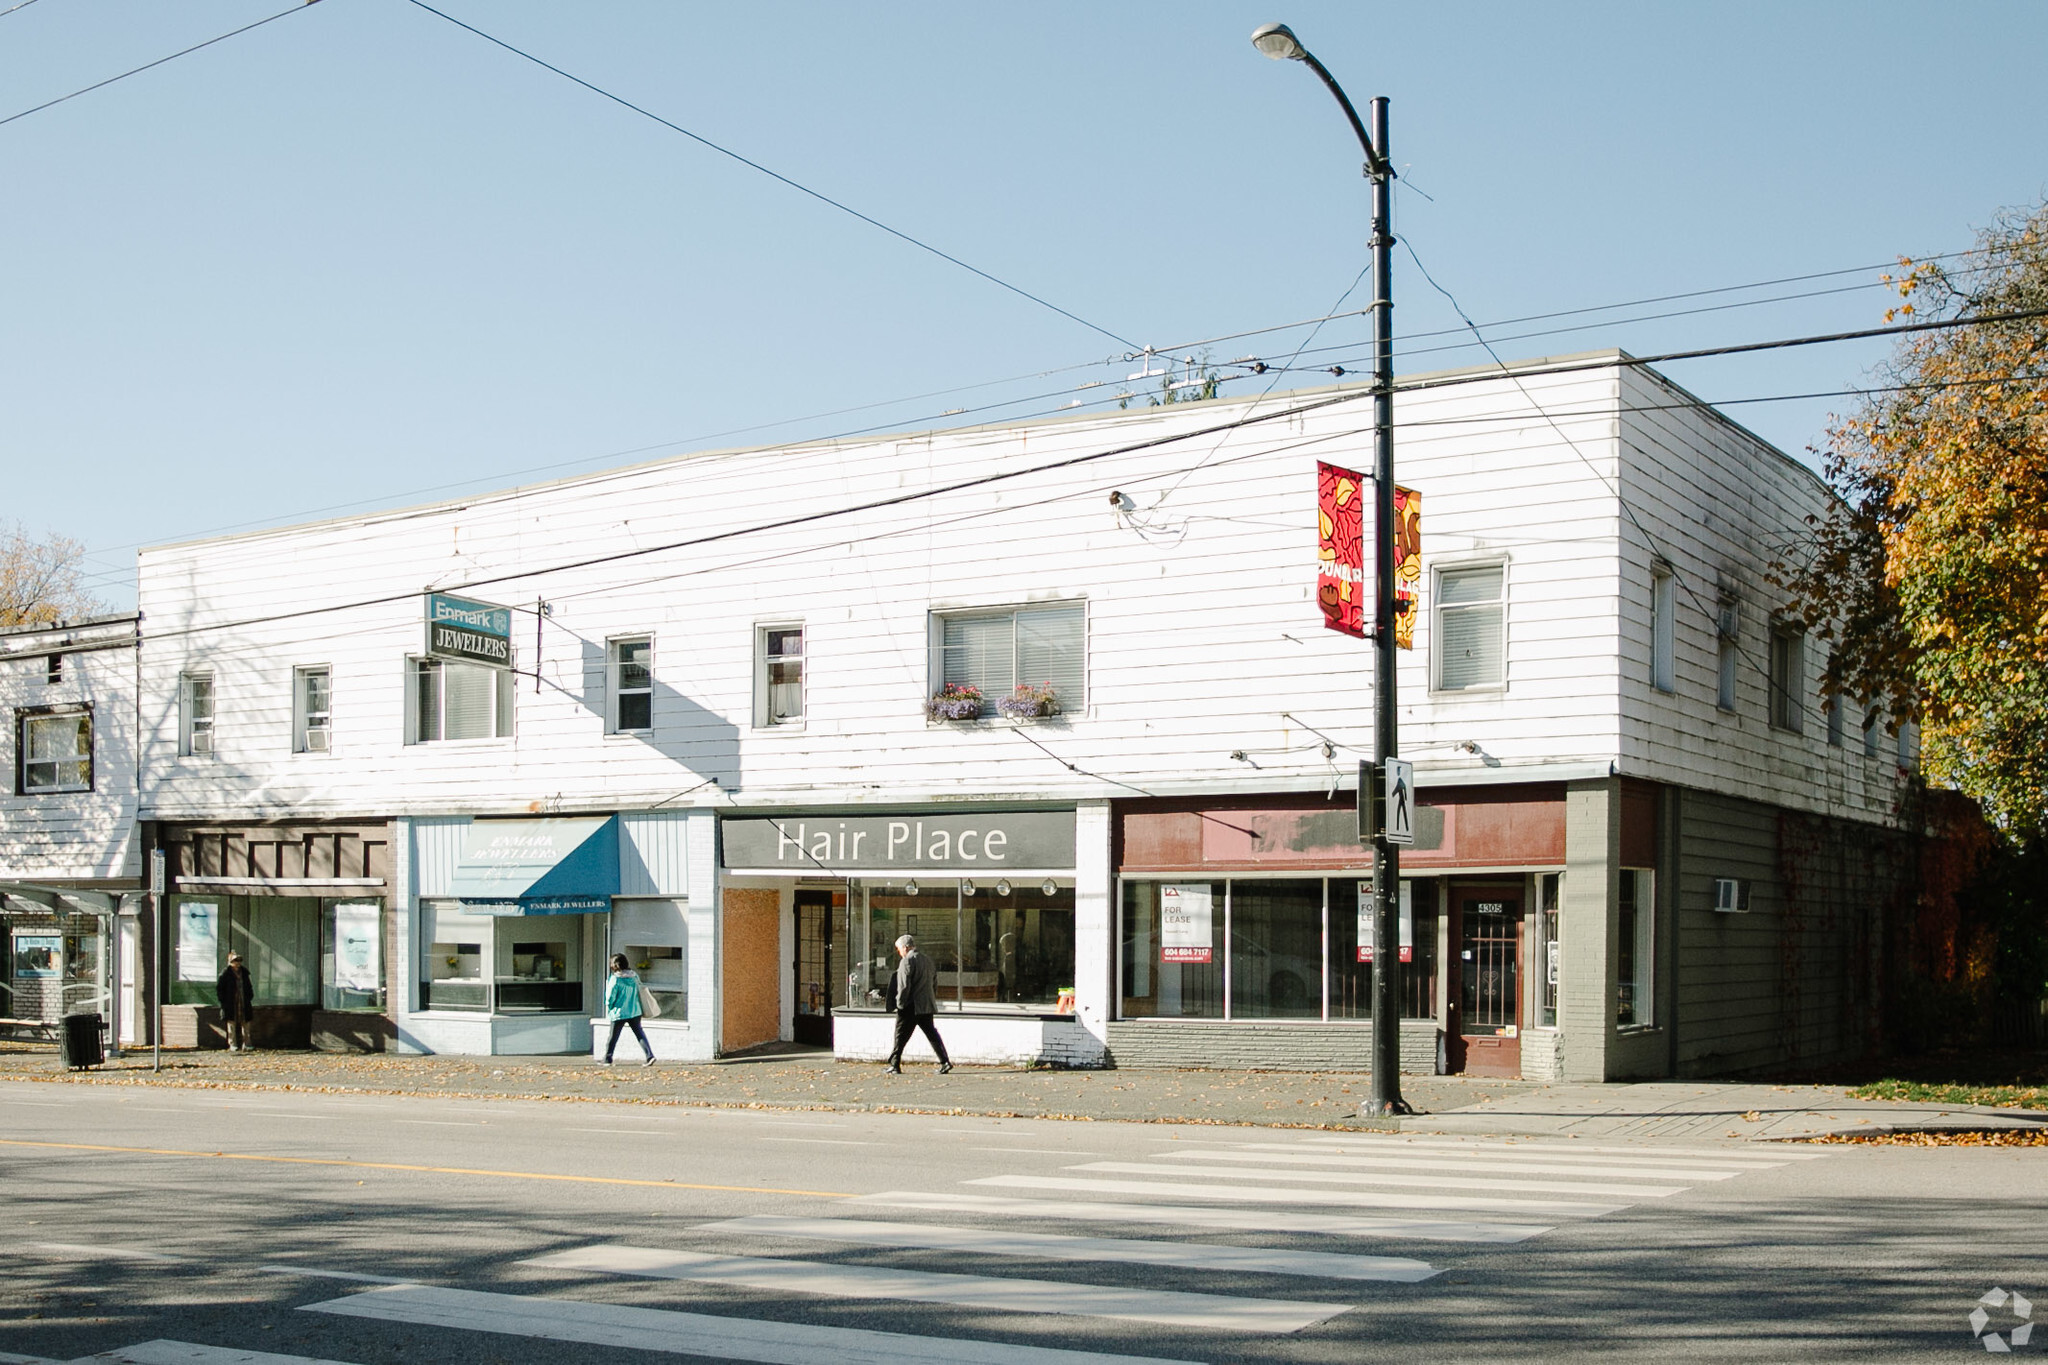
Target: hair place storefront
{"x":813,"y":903}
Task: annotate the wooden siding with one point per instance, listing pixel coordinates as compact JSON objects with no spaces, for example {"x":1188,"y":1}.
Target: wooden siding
{"x":72,"y":836}
{"x":277,"y":852}
{"x":654,"y":853}
{"x":751,"y":972}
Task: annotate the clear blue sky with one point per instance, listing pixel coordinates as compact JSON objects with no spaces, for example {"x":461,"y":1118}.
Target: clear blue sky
{"x":359,"y":254}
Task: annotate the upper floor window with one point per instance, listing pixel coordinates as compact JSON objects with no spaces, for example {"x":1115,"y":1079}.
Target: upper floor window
{"x":55,"y":749}
{"x":1909,"y":744}
{"x":195,"y":715}
{"x":1728,"y":641}
{"x":1470,"y":642}
{"x":1788,"y":678}
{"x":450,"y":701}
{"x":1663,"y":640}
{"x":999,"y":651}
{"x":1873,"y":721}
{"x":53,"y":669}
{"x":778,"y":675}
{"x":629,"y":678}
{"x":312,"y":706}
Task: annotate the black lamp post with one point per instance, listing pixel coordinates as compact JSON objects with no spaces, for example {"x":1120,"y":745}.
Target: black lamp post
{"x":1278,"y":42}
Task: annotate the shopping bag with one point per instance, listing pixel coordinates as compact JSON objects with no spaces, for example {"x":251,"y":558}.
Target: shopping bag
{"x":648,"y":1006}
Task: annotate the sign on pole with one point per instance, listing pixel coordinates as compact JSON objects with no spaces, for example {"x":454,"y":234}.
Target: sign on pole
{"x":466,"y":632}
{"x":1400,"y":802}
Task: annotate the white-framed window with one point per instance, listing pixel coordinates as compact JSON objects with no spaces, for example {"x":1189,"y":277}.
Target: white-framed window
{"x":1663,"y":635}
{"x":312,"y":709}
{"x":54,"y":748}
{"x":999,"y":651}
{"x":1873,"y":725}
{"x":1636,"y":951}
{"x":53,"y":669}
{"x":195,"y":715}
{"x":1469,"y":641}
{"x":629,"y":683}
{"x":1909,"y":744}
{"x":452,"y":701}
{"x":1728,"y":651}
{"x":778,"y":674}
{"x":1788,"y":678}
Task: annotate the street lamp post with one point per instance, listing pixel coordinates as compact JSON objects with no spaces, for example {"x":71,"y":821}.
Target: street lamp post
{"x":1278,"y":42}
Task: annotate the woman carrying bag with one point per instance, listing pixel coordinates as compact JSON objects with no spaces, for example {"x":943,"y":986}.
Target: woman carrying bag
{"x":625,"y":1000}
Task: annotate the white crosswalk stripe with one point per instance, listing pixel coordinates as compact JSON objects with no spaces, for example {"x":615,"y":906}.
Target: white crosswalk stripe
{"x":1403,"y":1161}
{"x":1355,"y":1199}
{"x":192,"y":1353}
{"x":1427,"y":1182}
{"x":1062,"y":1247}
{"x":691,"y":1334}
{"x":1214,"y":1220}
{"x":1511,"y":1147}
{"x":1005,"y":1294}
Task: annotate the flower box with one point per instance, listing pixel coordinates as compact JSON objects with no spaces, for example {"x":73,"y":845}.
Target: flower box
{"x":1028,"y":702}
{"x":955,"y":702}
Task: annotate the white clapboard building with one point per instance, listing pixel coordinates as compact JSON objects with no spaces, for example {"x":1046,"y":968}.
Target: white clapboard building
{"x":70,"y":855}
{"x":713,"y":713}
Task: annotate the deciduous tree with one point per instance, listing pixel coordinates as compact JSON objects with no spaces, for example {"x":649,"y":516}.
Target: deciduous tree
{"x":41,"y":580}
{"x":1930,"y":575}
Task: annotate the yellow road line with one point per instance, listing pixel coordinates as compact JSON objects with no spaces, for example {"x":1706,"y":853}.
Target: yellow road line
{"x":431,"y":1170}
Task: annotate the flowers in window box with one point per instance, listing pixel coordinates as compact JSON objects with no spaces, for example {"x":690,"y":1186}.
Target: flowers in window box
{"x":1029,"y":702}
{"x":955,"y":701}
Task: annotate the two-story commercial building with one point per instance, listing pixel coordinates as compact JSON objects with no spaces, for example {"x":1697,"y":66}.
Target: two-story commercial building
{"x":735,"y":715}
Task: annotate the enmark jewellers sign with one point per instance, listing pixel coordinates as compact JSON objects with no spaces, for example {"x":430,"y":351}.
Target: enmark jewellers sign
{"x":990,"y":841}
{"x":468,"y":632}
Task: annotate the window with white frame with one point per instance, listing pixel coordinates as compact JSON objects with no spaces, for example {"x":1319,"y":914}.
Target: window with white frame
{"x":312,"y":707}
{"x":1909,"y":744}
{"x":53,"y":669}
{"x":1470,"y":639}
{"x":1636,"y":951}
{"x":54,"y":745}
{"x":1663,"y":637}
{"x":629,"y":681}
{"x":195,"y":715}
{"x":452,"y":701}
{"x":1728,"y":640}
{"x":1873,"y":722}
{"x":997,"y":652}
{"x":778,"y":675}
{"x":1788,"y":677}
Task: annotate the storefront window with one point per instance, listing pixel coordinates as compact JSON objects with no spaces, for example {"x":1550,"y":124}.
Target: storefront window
{"x":277,"y":936}
{"x":655,"y":937}
{"x":1351,"y":971}
{"x":352,"y":956}
{"x":995,"y":944}
{"x":1551,"y":885}
{"x":1276,"y":949}
{"x":1172,"y":949}
{"x":540,"y":964}
{"x":452,"y":974}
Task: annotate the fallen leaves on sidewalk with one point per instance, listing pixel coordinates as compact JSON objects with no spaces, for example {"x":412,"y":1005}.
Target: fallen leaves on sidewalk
{"x":1959,"y":1137}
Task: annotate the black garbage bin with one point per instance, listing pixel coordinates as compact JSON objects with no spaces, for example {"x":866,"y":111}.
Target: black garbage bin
{"x":81,"y":1040}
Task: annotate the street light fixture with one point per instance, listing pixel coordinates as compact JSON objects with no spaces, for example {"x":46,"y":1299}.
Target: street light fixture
{"x":1278,"y":42}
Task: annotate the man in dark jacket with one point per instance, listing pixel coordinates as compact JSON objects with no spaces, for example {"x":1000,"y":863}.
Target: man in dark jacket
{"x":237,"y":996}
{"x":916,"y":1002}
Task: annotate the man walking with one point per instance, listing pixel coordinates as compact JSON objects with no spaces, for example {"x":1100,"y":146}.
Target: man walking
{"x":916,"y":1002}
{"x":237,"y":996}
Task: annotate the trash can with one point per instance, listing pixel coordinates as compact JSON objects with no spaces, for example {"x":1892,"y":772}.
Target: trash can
{"x":80,"y":1039}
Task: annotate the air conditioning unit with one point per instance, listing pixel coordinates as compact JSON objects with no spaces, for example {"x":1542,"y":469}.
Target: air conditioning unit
{"x":202,"y":743}
{"x":1731,"y":896}
{"x":316,"y":740}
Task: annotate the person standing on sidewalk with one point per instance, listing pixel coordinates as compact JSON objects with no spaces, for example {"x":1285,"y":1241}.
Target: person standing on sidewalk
{"x":237,"y":996}
{"x":916,"y":1002}
{"x":622,"y":1006}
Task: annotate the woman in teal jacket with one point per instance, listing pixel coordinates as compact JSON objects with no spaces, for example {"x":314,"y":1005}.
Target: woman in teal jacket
{"x":622,"y":1007}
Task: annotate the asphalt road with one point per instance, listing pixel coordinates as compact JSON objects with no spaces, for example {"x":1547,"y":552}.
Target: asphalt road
{"x":371,"y":1229}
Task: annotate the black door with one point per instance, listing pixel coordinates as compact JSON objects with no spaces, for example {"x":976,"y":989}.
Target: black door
{"x":812,"y":1021}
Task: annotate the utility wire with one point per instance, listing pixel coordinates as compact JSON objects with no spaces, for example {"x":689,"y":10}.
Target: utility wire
{"x":24,"y":4}
{"x":775,"y":175}
{"x":101,"y":85}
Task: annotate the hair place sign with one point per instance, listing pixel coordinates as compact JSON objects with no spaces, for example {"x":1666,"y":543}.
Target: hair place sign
{"x":991,"y":842}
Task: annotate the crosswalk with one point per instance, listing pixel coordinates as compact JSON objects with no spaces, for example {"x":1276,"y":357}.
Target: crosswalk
{"x":1364,"y":1216}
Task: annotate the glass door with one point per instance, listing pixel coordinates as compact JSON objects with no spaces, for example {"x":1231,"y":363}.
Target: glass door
{"x":1488,"y":931}
{"x":812,"y":1021}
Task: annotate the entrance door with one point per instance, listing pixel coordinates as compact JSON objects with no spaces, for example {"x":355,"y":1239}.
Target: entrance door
{"x":812,"y":1021}
{"x":1488,"y":931}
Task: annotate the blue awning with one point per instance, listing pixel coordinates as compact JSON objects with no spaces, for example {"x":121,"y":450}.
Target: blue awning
{"x":564,"y":865}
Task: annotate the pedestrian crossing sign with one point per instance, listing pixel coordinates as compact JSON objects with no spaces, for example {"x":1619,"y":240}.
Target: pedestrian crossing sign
{"x":1400,"y":802}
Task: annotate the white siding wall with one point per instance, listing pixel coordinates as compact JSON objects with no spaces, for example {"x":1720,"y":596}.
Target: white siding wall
{"x":1720,"y":505}
{"x":72,"y":836}
{"x":1204,"y":635}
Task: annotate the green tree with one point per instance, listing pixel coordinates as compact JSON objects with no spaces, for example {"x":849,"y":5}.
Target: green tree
{"x":1930,"y":574}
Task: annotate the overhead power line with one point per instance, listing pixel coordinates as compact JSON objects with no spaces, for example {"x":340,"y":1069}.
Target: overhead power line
{"x":776,"y":175}
{"x":147,"y":66}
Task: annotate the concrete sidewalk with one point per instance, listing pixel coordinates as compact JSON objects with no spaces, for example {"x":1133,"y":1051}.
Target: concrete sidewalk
{"x":802,"y":1079}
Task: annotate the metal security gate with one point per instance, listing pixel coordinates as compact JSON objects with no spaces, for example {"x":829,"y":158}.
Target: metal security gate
{"x":1489,"y":935}
{"x":812,"y":1021}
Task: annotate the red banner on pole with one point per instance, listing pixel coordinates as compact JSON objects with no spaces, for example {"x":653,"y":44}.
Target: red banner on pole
{"x":1407,"y":565}
{"x":1341,"y":587}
